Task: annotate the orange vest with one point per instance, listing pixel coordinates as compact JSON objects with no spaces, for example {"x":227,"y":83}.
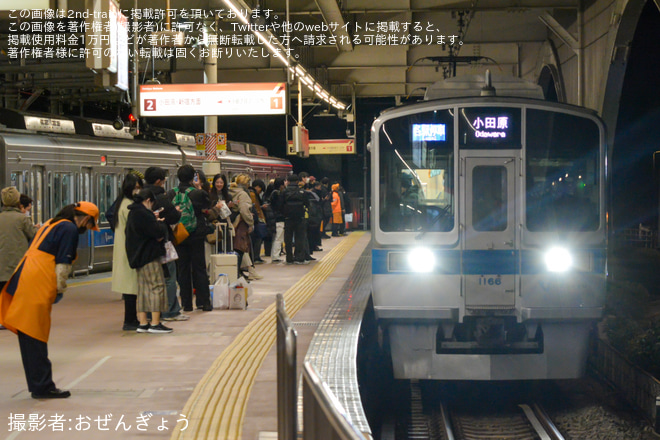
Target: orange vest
{"x":28,"y":310}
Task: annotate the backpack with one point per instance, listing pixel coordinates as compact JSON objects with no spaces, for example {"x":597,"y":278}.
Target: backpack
{"x":188,"y":218}
{"x":315,"y":211}
{"x":294,"y":204}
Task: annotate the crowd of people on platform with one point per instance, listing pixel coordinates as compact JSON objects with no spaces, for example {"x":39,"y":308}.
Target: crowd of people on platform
{"x":162,"y":241}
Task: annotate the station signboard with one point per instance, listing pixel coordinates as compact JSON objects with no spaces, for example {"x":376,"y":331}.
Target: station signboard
{"x":222,"y":99}
{"x":327,"y":146}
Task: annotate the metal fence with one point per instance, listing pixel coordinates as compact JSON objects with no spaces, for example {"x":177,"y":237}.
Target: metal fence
{"x":287,"y":394}
{"x":323,"y":416}
{"x":636,"y":386}
{"x":637,"y":237}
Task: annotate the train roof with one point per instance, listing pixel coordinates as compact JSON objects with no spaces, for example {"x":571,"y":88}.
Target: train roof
{"x":473,"y":85}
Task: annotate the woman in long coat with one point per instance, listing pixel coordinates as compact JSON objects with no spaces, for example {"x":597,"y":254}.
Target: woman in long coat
{"x":124,"y":279}
{"x":38,"y":282}
{"x":242,"y":215}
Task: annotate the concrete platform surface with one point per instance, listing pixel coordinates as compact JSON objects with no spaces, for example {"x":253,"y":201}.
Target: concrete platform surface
{"x":128,"y":385}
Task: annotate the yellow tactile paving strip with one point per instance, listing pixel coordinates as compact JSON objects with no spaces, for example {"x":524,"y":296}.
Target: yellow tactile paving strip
{"x":216,"y":408}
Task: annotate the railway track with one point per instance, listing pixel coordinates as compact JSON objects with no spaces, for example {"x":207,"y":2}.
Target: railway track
{"x":527,"y":421}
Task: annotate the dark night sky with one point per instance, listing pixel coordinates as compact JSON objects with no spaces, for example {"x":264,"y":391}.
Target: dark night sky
{"x":634,"y":182}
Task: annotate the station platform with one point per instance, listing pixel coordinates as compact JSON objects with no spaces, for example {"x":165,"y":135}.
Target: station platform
{"x":214,"y":377}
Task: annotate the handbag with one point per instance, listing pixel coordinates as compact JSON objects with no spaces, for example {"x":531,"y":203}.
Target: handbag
{"x":261,"y":230}
{"x":170,"y":253}
{"x":180,"y":233}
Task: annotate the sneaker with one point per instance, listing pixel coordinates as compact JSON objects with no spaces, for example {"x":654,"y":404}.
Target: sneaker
{"x":276,"y":260}
{"x":207,"y":308}
{"x":179,"y":317}
{"x":187,"y":309}
{"x":55,"y":393}
{"x":310,"y":258}
{"x":143,"y":328}
{"x":301,"y":262}
{"x":259,"y":261}
{"x":160,"y":328}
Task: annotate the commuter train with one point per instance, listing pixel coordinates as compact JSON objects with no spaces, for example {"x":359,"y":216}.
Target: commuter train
{"x":56,"y":169}
{"x":489,"y":232}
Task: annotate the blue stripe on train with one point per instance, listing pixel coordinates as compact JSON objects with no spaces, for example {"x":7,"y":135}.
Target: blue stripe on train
{"x":478,"y":262}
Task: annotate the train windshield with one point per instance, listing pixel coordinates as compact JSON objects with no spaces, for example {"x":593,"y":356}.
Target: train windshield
{"x":562,"y":173}
{"x":417,"y":173}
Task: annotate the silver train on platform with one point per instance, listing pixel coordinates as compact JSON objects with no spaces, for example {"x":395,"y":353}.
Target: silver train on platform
{"x":48,"y":161}
{"x":489,"y":228}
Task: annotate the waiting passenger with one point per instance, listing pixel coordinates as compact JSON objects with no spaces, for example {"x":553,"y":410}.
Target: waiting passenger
{"x":16,"y":232}
{"x":294,"y":208}
{"x":219,"y":195}
{"x":155,"y":178}
{"x":145,"y":245}
{"x":276,"y":201}
{"x":25,"y":205}
{"x":124,"y":278}
{"x":38,"y":282}
{"x":337,"y":210}
{"x":191,"y":265}
{"x":243,"y":221}
{"x":326,"y":204}
{"x":256,"y":191}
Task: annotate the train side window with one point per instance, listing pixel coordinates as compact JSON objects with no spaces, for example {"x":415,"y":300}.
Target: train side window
{"x":37,"y":193}
{"x":61,"y":190}
{"x":107,"y":193}
{"x":19,"y":180}
{"x":84,"y":184}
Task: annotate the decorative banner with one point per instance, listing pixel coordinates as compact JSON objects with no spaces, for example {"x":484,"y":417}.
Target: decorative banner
{"x":200,"y":145}
{"x":222,"y":143}
{"x":327,"y":146}
{"x":213,"y":99}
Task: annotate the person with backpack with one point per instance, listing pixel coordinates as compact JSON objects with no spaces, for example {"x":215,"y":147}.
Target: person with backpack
{"x":191,"y":200}
{"x":294,"y":208}
{"x":124,"y":278}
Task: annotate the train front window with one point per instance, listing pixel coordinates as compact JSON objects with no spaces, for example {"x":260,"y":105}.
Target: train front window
{"x":417,"y":173}
{"x":562,"y":173}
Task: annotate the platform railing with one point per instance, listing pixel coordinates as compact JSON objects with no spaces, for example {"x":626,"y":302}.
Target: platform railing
{"x":323,"y":416}
{"x":287,"y":393}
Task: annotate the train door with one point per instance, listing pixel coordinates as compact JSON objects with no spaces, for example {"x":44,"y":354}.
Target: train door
{"x":489,"y":263}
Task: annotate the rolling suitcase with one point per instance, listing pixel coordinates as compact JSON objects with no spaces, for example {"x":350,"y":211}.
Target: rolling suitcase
{"x":224,"y":260}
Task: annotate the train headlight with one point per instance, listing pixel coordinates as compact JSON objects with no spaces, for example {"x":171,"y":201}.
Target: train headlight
{"x":421,"y":260}
{"x":558,"y":259}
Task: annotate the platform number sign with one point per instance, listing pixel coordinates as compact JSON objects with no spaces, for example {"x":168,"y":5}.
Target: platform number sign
{"x":149,"y":105}
{"x":276,"y":102}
